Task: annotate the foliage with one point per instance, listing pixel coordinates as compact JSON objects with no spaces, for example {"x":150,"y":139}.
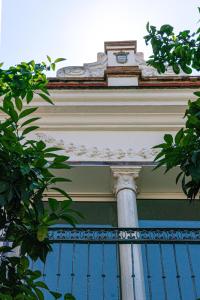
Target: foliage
{"x":180,"y":51}
{"x":26,"y":167}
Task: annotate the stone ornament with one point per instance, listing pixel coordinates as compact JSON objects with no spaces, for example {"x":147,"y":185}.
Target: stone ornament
{"x":125,"y":178}
{"x":95,"y":69}
{"x":85,"y":153}
{"x":121,"y":57}
{"x":98,"y":68}
{"x":149,"y":71}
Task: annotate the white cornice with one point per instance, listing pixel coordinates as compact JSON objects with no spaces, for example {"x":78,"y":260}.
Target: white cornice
{"x":117,"y":95}
{"x":115,"y":110}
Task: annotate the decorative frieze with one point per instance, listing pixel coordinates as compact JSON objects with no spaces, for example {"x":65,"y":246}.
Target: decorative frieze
{"x":125,"y":235}
{"x":86,"y":153}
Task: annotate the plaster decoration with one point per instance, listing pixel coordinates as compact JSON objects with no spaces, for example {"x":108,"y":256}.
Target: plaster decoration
{"x":148,"y":71}
{"x":95,"y":69}
{"x":81,"y":150}
{"x":95,"y":152}
{"x":125,"y":178}
{"x":121,"y":57}
{"x":84,"y":153}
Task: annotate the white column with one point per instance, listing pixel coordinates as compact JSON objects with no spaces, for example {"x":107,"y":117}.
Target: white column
{"x":130,"y":256}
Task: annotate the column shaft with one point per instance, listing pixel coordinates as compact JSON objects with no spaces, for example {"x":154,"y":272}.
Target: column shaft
{"x":132,"y":277}
{"x":130,"y":255}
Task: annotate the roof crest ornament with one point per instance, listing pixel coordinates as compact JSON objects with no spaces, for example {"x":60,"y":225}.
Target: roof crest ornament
{"x":116,"y":55}
{"x":95,"y":69}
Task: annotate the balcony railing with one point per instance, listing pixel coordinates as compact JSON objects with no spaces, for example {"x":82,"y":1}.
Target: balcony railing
{"x":85,"y":262}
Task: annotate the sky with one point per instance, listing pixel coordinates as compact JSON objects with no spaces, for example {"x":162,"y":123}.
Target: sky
{"x":77,"y":29}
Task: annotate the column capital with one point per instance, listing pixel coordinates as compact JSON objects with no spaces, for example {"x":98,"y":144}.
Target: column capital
{"x":125,"y":178}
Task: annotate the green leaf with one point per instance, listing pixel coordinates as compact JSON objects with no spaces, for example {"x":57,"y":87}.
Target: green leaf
{"x":65,"y":204}
{"x":53,"y":66}
{"x":29,"y":96}
{"x":61,"y":158}
{"x":69,"y":219}
{"x":41,"y":145}
{"x":197,"y":94}
{"x":44,"y":90}
{"x":168,"y":139}
{"x":53,"y":204}
{"x":60,"y":179}
{"x":36,"y":274}
{"x":168,"y":29}
{"x":179,"y":136}
{"x":29,"y":121}
{"x":184,"y":34}
{"x":18,"y":103}
{"x":13,"y":114}
{"x":25,"y":169}
{"x":69,"y":297}
{"x":49,"y":58}
{"x":176,"y":68}
{"x":46,"y":98}
{"x":27,"y":112}
{"x":42,"y":285}
{"x":178,"y":176}
{"x":52,"y":149}
{"x":159,"y":155}
{"x":62,"y":192}
{"x":56,"y":295}
{"x":39,"y":294}
{"x":29,"y":129}
{"x":59,"y":59}
{"x":42,"y":233}
{"x":56,"y":165}
{"x":24,"y":262}
{"x":76,"y":212}
{"x":186,"y":69}
{"x":147,"y":27}
{"x":163,"y":145}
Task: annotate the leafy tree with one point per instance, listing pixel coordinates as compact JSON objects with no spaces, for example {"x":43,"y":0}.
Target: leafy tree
{"x":181,"y":52}
{"x":26,"y":172}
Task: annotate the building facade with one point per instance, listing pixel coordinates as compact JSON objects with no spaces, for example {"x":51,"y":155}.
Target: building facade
{"x":107,"y":117}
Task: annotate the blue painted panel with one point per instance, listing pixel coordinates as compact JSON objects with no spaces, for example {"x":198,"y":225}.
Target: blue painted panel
{"x":80,"y":269}
{"x":172,"y":264}
{"x":88,"y":272}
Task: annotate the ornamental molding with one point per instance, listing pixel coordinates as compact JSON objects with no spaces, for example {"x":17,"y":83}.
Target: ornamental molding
{"x":98,"y":68}
{"x":95,"y":69}
{"x":149,"y":71}
{"x":125,"y":235}
{"x":85,"y":153}
{"x":126,"y":171}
